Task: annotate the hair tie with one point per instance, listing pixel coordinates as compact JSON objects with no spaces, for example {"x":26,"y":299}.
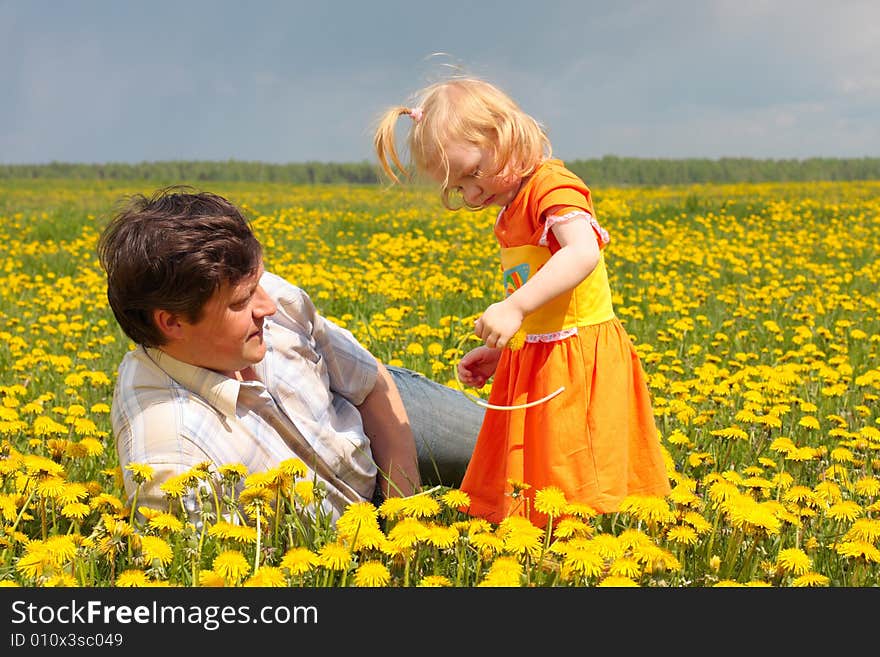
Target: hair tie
{"x":415,"y":113}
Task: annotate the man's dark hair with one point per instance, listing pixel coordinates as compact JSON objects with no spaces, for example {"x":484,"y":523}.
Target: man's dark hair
{"x":172,"y":251}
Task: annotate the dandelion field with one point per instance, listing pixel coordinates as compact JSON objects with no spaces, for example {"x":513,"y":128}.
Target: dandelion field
{"x":754,"y":309}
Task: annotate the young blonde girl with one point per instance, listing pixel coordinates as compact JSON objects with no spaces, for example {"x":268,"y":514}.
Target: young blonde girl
{"x":596,"y":441}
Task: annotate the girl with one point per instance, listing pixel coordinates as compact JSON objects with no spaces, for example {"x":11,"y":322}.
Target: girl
{"x":596,"y":441}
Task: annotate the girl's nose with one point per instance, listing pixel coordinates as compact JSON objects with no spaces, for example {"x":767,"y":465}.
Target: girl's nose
{"x":471,"y":193}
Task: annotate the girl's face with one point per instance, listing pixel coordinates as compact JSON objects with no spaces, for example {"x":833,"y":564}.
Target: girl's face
{"x":470,"y":171}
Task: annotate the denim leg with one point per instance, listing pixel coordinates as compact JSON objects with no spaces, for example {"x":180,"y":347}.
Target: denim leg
{"x":445,"y":425}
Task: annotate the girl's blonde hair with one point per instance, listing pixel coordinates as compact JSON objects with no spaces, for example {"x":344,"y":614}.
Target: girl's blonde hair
{"x":465,"y":110}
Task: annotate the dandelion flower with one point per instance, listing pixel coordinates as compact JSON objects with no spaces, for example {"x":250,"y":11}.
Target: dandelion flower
{"x":517,"y":341}
{"x":372,"y":574}
{"x":304,"y":490}
{"x":409,"y":532}
{"x":267,"y":576}
{"x":299,"y":561}
{"x":793,"y":561}
{"x":487,"y":543}
{"x":859,"y":550}
{"x":683,"y":535}
{"x":334,"y":556}
{"x":140,"y":472}
{"x":442,"y":537}
{"x":504,"y":572}
{"x":75,"y":510}
{"x":392,"y":507}
{"x":617,"y":581}
{"x":209,"y":578}
{"x":847,"y":510}
{"x":550,"y":501}
{"x":455,"y":499}
{"x":625,"y":567}
{"x":155,"y":548}
{"x":231,"y":565}
{"x":810,"y":579}
{"x":132,"y":577}
{"x":420,"y":506}
{"x":293,"y":467}
{"x":582,"y":562}
{"x":434,"y":581}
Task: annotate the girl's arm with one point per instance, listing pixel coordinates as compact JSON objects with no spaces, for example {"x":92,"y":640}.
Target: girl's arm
{"x":572,"y":263}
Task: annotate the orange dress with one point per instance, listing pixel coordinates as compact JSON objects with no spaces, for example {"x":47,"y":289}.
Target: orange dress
{"x":597,"y":440}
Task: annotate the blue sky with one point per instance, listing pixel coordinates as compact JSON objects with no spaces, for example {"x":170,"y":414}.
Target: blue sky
{"x":120,"y":81}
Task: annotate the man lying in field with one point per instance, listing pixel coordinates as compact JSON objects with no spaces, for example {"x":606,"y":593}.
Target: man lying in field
{"x":234,"y":365}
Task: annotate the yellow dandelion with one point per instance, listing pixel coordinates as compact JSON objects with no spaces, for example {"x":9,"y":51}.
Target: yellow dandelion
{"x":50,"y":487}
{"x":75,"y":510}
{"x":867,"y":486}
{"x":174,"y":487}
{"x":569,"y":527}
{"x":503,"y":572}
{"x":165,"y":522}
{"x":517,"y":341}
{"x":520,"y":536}
{"x":267,"y":576}
{"x":231,"y":565}
{"x":582,"y":562}
{"x":617,"y":581}
{"x":391,"y":507}
{"x":155,"y":548}
{"x":140,"y":472}
{"x":132,"y":577}
{"x":304,"y":491}
{"x":810,"y":579}
{"x":420,"y":506}
{"x":357,"y":517}
{"x":372,"y":574}
{"x":864,"y":529}
{"x":299,"y":560}
{"x":232,"y":472}
{"x":550,"y":501}
{"x":793,"y":561}
{"x":456,"y":499}
{"x":859,"y":550}
{"x":683,"y":535}
{"x":209,"y":578}
{"x":409,"y":532}
{"x":334,"y":556}
{"x":847,"y":510}
{"x":647,"y":508}
{"x":487,"y":544}
{"x":435,"y":581}
{"x":625,"y":567}
{"x":809,"y":422}
{"x":442,"y":537}
{"x":580,"y":510}
{"x":293,"y":468}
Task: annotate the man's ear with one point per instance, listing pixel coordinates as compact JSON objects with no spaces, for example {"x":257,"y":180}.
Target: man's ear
{"x":168,"y":323}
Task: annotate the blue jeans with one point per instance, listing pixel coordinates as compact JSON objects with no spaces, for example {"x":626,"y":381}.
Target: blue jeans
{"x":445,"y":425}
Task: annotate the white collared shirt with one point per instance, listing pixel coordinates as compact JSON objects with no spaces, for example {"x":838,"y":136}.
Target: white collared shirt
{"x":173,"y":416}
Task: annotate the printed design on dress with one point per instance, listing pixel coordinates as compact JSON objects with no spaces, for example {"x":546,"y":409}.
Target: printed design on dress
{"x":515,"y":278}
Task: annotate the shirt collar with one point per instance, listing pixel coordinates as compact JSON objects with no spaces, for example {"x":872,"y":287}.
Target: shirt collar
{"x":218,"y":390}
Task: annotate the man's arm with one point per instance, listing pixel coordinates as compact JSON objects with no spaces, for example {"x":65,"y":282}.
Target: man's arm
{"x":391,"y":439}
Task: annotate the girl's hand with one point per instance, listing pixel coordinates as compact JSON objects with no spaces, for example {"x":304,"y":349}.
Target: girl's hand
{"x":478,"y":365}
{"x":498,"y":323}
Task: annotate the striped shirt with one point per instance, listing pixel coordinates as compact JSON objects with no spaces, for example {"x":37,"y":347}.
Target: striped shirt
{"x":173,"y":416}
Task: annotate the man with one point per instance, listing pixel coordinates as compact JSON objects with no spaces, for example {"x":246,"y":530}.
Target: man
{"x":236,"y":365}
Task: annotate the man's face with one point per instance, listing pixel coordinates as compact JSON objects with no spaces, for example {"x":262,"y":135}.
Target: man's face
{"x":229,"y":336}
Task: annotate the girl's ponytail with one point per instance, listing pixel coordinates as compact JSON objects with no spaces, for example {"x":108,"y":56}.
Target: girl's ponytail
{"x":385,"y":144}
